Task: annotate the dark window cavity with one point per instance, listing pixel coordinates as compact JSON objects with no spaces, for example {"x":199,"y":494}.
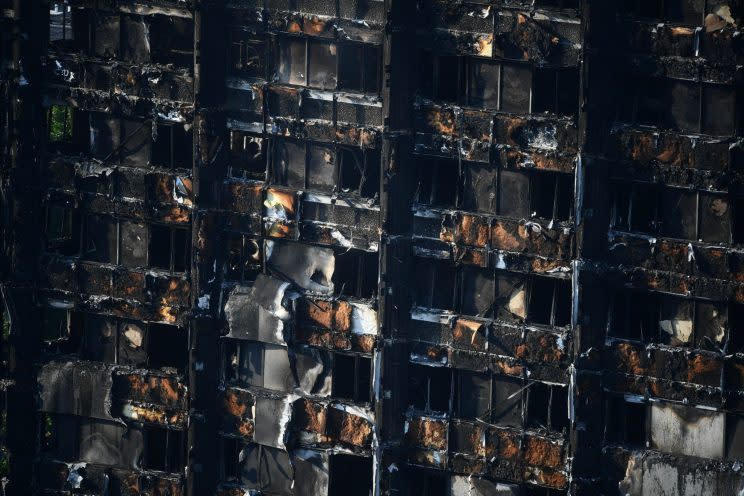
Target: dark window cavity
{"x":352,"y":375}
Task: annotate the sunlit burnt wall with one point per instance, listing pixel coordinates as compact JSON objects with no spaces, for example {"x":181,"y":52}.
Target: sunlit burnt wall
{"x":371,"y":247}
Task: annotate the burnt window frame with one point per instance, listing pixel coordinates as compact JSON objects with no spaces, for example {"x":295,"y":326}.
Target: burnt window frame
{"x":66,"y":138}
{"x":70,"y":231}
{"x":169,"y":465}
{"x":363,"y":263}
{"x":243,"y":39}
{"x":120,"y":323}
{"x":246,"y":271}
{"x":434,"y":164}
{"x":49,"y":427}
{"x":67,"y":22}
{"x":276,"y":40}
{"x":173,"y":155}
{"x":457,"y":397}
{"x":236,"y":156}
{"x":229,"y":368}
{"x":172,"y":252}
{"x":617,"y":421}
{"x":654,"y":303}
{"x":532,"y":402}
{"x":643,"y":90}
{"x":434,"y":267}
{"x":370,"y":156}
{"x":558,"y":285}
{"x":560,"y":181}
{"x":630,"y":189}
{"x":117,"y":155}
{"x":428,"y":374}
{"x":463,"y":86}
{"x":359,"y":395}
{"x":156,"y":50}
{"x":425,"y":163}
{"x":117,"y":222}
{"x":366,"y":49}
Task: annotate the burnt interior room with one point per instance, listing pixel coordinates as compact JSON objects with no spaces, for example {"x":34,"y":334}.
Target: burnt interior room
{"x":371,"y":247}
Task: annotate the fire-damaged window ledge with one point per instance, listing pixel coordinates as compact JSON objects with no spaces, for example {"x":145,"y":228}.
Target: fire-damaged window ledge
{"x":509,"y":34}
{"x":178,"y":8}
{"x":366,"y":137}
{"x":321,"y":321}
{"x":120,"y":393}
{"x":714,"y":181}
{"x":698,"y":369}
{"x":690,"y":383}
{"x":122,"y":305}
{"x":312,"y":94}
{"x":58,"y":65}
{"x":648,"y":145}
{"x":327,"y":220}
{"x":345,"y":27}
{"x":533,"y":245}
{"x":271,"y":418}
{"x":652,"y":39}
{"x":682,"y":69}
{"x":103,"y":101}
{"x":507,"y":455}
{"x":531,"y":363}
{"x":669,"y":282}
{"x":58,"y":477}
{"x":517,"y":142}
{"x":142,"y":285}
{"x":684,"y":257}
{"x":512,"y":339}
{"x":95,"y":186}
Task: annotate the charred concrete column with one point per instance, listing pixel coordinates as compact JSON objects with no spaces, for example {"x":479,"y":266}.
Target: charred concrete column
{"x":23,"y":192}
{"x":209,"y":172}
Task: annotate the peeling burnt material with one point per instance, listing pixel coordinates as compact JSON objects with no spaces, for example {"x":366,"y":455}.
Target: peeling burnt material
{"x":370,"y":247}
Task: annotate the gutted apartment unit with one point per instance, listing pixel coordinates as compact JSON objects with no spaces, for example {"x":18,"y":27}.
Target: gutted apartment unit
{"x":660,"y":291}
{"x":371,"y":247}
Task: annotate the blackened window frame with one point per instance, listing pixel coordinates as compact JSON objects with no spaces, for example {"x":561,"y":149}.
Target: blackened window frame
{"x":359,"y":378}
{"x":630,"y":189}
{"x":523,"y":384}
{"x":120,"y":323}
{"x":276,"y":40}
{"x":463,"y":72}
{"x":172,"y":268}
{"x":245,"y":271}
{"x":623,"y":301}
{"x":237,"y":170}
{"x":640,"y":87}
{"x":370,"y":158}
{"x":242,"y":40}
{"x":560,"y":180}
{"x":529,"y":281}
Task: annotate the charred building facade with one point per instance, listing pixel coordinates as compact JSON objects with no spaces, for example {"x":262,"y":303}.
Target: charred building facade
{"x":372,"y":247}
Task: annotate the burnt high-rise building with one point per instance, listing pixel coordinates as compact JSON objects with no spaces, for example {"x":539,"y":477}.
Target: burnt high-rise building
{"x":371,"y":247}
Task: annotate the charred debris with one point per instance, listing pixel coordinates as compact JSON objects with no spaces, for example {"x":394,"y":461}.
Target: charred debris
{"x":371,"y":247}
